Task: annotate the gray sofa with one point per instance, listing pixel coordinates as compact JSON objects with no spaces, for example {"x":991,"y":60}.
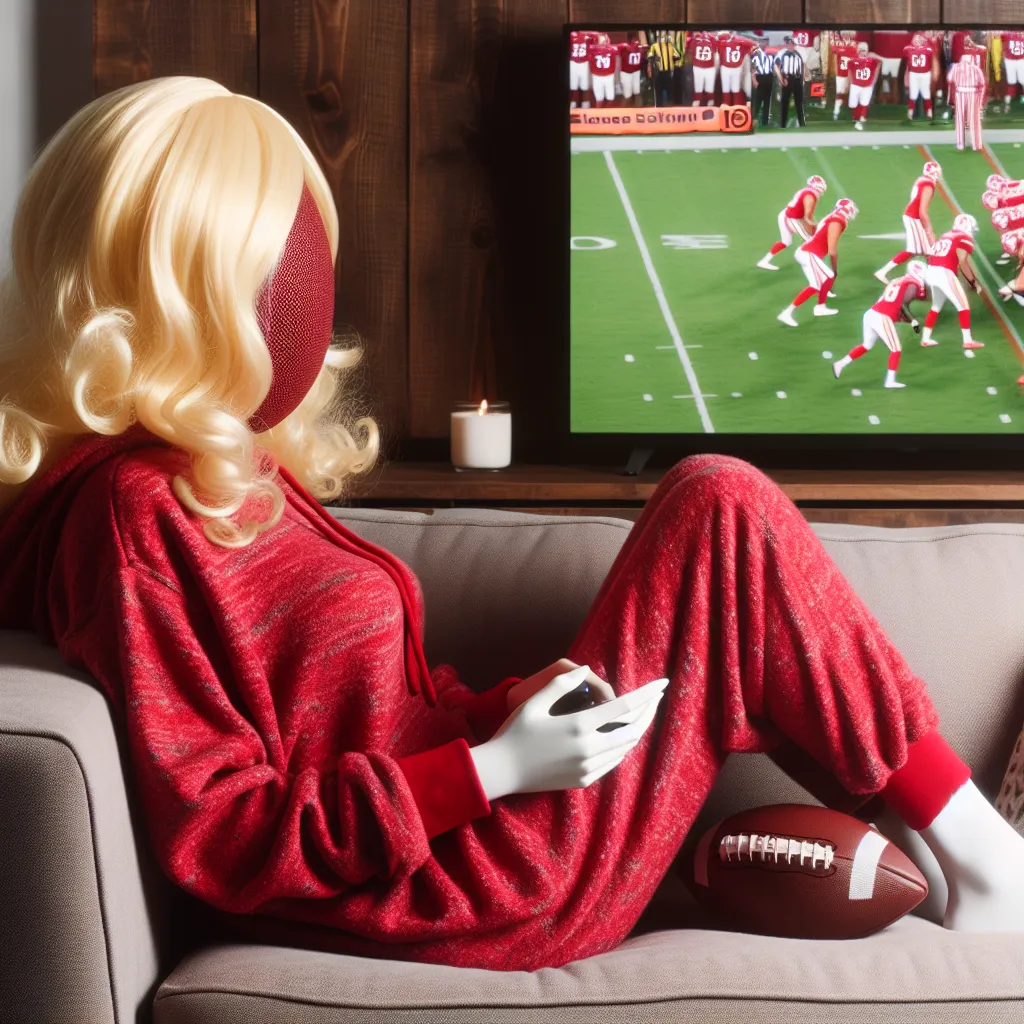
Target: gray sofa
{"x":93,"y":933}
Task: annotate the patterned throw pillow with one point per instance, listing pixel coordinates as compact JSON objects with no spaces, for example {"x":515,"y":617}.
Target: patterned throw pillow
{"x":1010,"y":802}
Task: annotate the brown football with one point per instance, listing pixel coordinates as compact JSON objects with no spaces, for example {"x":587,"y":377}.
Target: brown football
{"x":803,"y":871}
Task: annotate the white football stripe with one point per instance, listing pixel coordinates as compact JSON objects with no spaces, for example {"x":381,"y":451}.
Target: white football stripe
{"x":865,"y":865}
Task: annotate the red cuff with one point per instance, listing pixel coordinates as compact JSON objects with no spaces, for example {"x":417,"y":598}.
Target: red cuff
{"x":445,"y":786}
{"x":487,"y":710}
{"x":924,"y":785}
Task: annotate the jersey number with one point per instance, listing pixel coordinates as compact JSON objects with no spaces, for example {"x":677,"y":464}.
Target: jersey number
{"x":941,"y":247}
{"x":919,"y":60}
{"x":862,"y":75}
{"x":703,"y":52}
{"x":891,"y":293}
{"x":602,"y":61}
{"x":732,"y":53}
{"x":579,"y":49}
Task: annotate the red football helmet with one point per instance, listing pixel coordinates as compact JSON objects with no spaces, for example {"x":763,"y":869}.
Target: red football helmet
{"x":995,"y":182}
{"x":918,"y":40}
{"x":1012,"y":241}
{"x":817,"y":184}
{"x":990,"y":200}
{"x":932,"y":170}
{"x":848,"y":208}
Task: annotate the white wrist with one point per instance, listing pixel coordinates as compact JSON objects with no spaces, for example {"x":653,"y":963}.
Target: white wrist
{"x":492,"y":768}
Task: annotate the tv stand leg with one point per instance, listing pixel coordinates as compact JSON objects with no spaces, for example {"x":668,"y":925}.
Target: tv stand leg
{"x":638,"y":458}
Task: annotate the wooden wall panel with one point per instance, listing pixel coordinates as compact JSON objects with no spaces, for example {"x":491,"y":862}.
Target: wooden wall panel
{"x":886,"y":12}
{"x":139,"y":39}
{"x":485,"y":228}
{"x":766,"y":12}
{"x":338,"y":70}
{"x":637,"y":11}
{"x":983,"y":12}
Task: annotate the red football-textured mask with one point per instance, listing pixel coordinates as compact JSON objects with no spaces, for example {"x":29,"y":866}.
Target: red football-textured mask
{"x":295,"y":311}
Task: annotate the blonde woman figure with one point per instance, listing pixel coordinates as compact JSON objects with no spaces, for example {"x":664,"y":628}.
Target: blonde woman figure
{"x":167,"y":424}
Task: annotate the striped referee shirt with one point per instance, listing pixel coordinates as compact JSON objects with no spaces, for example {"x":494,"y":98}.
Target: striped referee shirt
{"x":789,"y":62}
{"x":966,"y":75}
{"x":667,"y":55}
{"x":762,"y":63}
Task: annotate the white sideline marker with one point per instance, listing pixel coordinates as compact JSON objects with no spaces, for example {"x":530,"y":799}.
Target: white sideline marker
{"x":874,"y":420}
{"x":648,"y":398}
{"x":968,"y":353}
{"x":1004,"y":418}
{"x":659,"y":292}
{"x":856,"y":392}
{"x":992,"y":391}
{"x":826,"y":355}
{"x":780,"y":394}
{"x":752,"y":355}
{"x":630,"y":359}
{"x":736,"y":394}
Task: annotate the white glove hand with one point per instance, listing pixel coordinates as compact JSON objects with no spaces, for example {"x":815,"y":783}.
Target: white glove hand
{"x":535,"y":751}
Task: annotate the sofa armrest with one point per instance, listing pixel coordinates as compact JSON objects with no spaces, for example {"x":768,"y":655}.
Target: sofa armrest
{"x":84,"y":913}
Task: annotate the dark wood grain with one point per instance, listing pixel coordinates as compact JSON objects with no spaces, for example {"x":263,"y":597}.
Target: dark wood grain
{"x":569,"y":484}
{"x":485,"y":226}
{"x":639,"y":12}
{"x":879,"y":12}
{"x":983,"y":12}
{"x":139,"y":39}
{"x":743,"y":12}
{"x":337,"y":69}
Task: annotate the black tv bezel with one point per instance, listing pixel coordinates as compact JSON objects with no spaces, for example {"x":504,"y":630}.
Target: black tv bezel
{"x":867,"y":451}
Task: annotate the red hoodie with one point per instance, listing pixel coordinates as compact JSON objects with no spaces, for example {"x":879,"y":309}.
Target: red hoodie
{"x":280,"y":761}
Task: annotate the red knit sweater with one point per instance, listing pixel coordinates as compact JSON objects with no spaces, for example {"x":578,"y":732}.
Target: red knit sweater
{"x":257,"y":686}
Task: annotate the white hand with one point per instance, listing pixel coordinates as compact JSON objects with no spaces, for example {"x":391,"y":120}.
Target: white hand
{"x":535,"y":751}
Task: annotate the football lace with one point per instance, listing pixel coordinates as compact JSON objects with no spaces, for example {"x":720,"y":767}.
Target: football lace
{"x":771,"y":848}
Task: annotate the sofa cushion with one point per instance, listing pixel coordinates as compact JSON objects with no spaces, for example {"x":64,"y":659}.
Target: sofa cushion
{"x":913,"y":971}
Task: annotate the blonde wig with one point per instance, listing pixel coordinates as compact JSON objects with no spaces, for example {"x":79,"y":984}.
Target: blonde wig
{"x":141,"y":240}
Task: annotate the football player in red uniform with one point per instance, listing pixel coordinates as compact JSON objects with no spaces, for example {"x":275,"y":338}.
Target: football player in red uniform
{"x":947,"y":258}
{"x":1013,"y":245}
{"x":811,"y":257}
{"x":733,"y":50}
{"x":631,"y":61}
{"x":842,"y":53}
{"x":915,"y":219}
{"x":602,"y":72}
{"x":881,"y":319}
{"x":796,"y":218}
{"x":702,"y":48}
{"x":1013,"y":58}
{"x":919,"y":56}
{"x":863,"y":75}
{"x":579,"y":67}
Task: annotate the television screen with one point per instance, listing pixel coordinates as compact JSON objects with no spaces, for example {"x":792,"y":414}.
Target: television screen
{"x":813,"y":231}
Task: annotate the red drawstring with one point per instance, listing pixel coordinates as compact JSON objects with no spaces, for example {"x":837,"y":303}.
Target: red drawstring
{"x":416,"y":672}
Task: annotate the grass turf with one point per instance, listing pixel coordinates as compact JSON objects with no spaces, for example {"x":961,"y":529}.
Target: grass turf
{"x":758,"y":375}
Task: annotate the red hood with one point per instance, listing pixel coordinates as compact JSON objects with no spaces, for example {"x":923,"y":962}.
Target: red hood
{"x":31,"y":527}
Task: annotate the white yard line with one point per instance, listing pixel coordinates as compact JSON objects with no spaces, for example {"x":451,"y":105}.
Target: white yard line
{"x":666,"y":312}
{"x":992,"y":274}
{"x":798,"y":138}
{"x":995,"y":159}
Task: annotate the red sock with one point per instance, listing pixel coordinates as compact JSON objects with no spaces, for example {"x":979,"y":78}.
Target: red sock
{"x":804,"y":295}
{"x":965,"y":319}
{"x":902,"y":257}
{"x":929,"y":320}
{"x":927,"y":108}
{"x":923,"y":786}
{"x":856,"y":353}
{"x":894,"y":361}
{"x":823,"y":290}
{"x":778,"y":247}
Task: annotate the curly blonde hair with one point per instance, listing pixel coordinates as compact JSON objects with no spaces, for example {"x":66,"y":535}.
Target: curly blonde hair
{"x":140,"y":242}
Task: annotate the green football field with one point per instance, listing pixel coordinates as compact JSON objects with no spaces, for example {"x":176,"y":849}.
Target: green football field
{"x":687,"y":340}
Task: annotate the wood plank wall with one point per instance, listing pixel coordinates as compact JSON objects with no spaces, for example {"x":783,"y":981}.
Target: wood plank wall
{"x":443,"y":152}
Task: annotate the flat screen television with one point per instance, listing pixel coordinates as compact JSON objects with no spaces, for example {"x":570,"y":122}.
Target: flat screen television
{"x":775,"y":237}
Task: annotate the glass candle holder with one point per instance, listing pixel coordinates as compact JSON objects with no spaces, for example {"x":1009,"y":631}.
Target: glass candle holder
{"x":481,"y":435}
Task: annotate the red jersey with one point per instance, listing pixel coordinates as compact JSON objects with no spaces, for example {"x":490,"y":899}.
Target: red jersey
{"x":972,"y":55}
{"x":795,"y":210}
{"x":897,"y":292}
{"x":864,"y":70}
{"x":1013,"y":45}
{"x":632,"y":55}
{"x":913,"y":208}
{"x":889,"y":43}
{"x":817,"y":244}
{"x":703,"y":50}
{"x":731,"y":52}
{"x":579,"y":42}
{"x":945,"y":251}
{"x":843,"y":55}
{"x":1008,"y":219}
{"x":602,"y":59}
{"x":956,"y":45}
{"x":918,"y":58}
{"x":1013,"y":195}
{"x":804,"y":37}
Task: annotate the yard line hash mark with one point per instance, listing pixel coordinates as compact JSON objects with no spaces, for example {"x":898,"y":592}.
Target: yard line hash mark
{"x":659,"y":292}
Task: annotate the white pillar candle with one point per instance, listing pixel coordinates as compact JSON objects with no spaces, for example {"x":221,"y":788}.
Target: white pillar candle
{"x":481,"y":435}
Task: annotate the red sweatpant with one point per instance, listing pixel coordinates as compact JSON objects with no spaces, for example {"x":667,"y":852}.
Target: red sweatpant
{"x":723,"y":587}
